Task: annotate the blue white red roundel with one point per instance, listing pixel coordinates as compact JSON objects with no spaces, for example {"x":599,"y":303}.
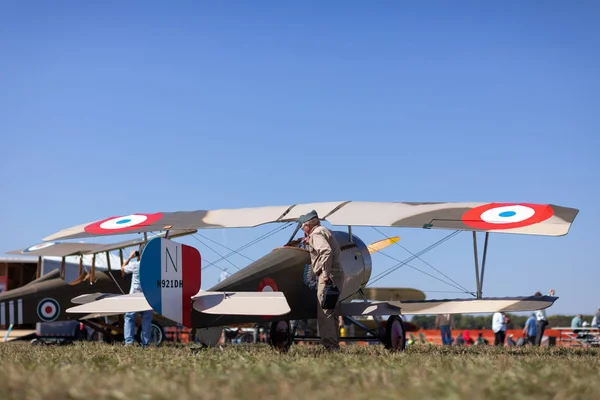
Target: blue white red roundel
{"x":506,"y":215}
{"x":48,"y":309}
{"x":38,"y":247}
{"x":267,"y":285}
{"x":122,"y":224}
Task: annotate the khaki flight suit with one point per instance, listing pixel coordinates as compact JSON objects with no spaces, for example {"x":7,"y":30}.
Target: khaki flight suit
{"x":325,"y":261}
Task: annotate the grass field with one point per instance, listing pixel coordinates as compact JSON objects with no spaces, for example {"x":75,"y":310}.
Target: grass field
{"x":100,"y":371}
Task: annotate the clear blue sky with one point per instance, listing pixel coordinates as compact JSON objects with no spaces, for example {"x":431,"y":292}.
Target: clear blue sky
{"x":120,"y":107}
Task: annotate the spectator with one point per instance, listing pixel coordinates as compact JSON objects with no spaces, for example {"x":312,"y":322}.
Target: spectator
{"x":444,"y":323}
{"x":541,"y":321}
{"x":529,"y":331}
{"x":499,"y":328}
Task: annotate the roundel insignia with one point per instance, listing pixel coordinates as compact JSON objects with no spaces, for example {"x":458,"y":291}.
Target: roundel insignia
{"x":122,"y":224}
{"x":267,"y":285}
{"x":48,"y":309}
{"x":38,"y":247}
{"x":506,"y":215}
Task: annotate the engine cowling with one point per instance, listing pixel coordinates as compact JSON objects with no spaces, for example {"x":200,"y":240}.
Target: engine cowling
{"x":356,"y":262}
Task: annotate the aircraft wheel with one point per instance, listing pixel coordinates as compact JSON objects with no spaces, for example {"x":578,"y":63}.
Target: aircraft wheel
{"x":395,"y":336}
{"x":280,"y":335}
{"x":114,"y":335}
{"x":157,"y":334}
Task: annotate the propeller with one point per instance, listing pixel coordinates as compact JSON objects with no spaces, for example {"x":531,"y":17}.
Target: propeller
{"x":382,"y":244}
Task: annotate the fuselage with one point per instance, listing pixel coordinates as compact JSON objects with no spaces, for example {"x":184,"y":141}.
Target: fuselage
{"x":288,"y":270}
{"x":46,"y":298}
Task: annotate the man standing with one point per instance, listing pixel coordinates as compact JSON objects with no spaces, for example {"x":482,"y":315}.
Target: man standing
{"x":325,"y":261}
{"x":529,"y":331}
{"x":133,"y":267}
{"x":444,"y":323}
{"x":499,"y":328}
{"x":541,"y":321}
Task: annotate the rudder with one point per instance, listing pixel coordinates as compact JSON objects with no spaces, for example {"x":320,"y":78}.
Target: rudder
{"x":170,"y":275}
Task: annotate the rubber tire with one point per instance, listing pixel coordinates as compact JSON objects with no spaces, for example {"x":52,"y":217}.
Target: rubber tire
{"x":278,"y":338}
{"x":394,"y":327}
{"x":154,"y":327}
{"x":110,"y":338}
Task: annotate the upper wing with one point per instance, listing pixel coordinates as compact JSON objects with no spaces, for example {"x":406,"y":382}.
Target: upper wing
{"x":521,"y":218}
{"x":51,"y":249}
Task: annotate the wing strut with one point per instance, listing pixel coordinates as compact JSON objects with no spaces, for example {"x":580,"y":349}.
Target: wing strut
{"x":478,"y":278}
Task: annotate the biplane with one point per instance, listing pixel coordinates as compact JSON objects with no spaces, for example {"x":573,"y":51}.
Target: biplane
{"x":47,"y":298}
{"x":278,"y":288}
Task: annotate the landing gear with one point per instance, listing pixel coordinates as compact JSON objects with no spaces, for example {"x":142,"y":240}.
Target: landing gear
{"x":394,"y":337}
{"x":280,"y":335}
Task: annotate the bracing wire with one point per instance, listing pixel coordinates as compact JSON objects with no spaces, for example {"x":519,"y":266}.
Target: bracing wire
{"x":214,"y":251}
{"x":431,"y":266}
{"x":426,"y":273}
{"x":251,"y":243}
{"x":402,"y":263}
{"x":225,"y":247}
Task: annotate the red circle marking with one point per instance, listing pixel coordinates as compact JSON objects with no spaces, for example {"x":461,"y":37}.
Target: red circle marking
{"x":48,"y":309}
{"x":96,"y":229}
{"x":473,"y":219}
{"x":267,"y":282}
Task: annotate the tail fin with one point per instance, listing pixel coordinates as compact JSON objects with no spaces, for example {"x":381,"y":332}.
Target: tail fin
{"x":170,"y":277}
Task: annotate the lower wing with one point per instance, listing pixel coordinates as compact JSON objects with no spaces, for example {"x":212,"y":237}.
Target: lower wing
{"x":450,"y":306}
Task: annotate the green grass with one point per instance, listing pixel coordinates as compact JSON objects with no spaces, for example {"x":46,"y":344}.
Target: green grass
{"x":100,"y":371}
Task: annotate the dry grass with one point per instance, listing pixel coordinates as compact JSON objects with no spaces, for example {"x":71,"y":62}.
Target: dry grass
{"x":100,"y":371}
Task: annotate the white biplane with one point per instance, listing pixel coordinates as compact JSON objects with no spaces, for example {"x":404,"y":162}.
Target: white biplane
{"x":277,"y":288}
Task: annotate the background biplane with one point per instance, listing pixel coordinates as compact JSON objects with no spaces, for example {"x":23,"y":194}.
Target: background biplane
{"x":46,"y":298}
{"x":278,"y":287}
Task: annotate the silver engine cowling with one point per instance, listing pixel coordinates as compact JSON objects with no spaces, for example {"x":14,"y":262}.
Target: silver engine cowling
{"x":356,"y":262}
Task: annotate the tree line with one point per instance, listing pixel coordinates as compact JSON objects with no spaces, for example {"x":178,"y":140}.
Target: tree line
{"x":485,"y":322}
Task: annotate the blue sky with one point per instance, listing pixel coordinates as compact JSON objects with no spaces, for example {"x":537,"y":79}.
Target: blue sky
{"x":114,"y":108}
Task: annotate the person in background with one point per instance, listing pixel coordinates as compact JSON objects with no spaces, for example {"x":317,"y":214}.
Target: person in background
{"x":529,"y":331}
{"x":541,"y":321}
{"x":444,"y":323}
{"x":499,"y":328}
{"x":481,"y":340}
{"x":133,"y":267}
{"x":576,"y":323}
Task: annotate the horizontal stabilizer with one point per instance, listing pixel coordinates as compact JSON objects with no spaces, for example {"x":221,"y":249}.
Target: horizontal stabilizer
{"x":115,"y":304}
{"x":241,"y":303}
{"x":98,"y":315}
{"x":88,"y":298}
{"x":369,"y":308}
{"x":476,"y":306}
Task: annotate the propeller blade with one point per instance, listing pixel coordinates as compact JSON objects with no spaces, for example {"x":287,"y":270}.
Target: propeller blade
{"x":382,"y":244}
